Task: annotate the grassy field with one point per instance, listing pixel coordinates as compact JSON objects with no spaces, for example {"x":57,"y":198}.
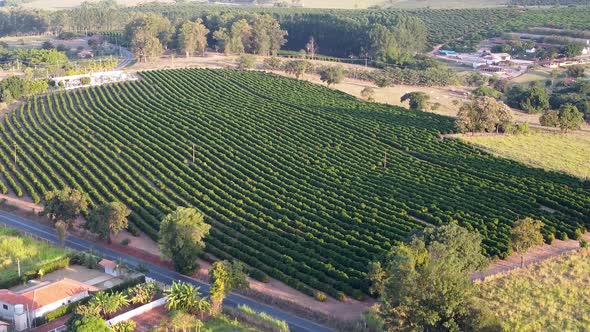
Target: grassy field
{"x":550,"y":296}
{"x":224,"y":324}
{"x":565,"y":153}
{"x":531,"y":76}
{"x":32,"y":253}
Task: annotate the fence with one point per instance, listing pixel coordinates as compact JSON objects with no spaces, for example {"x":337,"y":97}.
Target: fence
{"x":136,"y":312}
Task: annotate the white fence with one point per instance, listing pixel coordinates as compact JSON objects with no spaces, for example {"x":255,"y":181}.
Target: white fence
{"x":136,"y":312}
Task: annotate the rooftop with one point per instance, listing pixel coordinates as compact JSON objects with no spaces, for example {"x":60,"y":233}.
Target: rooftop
{"x":46,"y":294}
{"x":107,"y":264}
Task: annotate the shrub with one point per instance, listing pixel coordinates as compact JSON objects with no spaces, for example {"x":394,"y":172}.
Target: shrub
{"x":578,"y":234}
{"x":550,"y":238}
{"x":563,"y":236}
{"x":320,"y":296}
{"x":259,"y":275}
{"x":583,"y":244}
{"x":125,"y":242}
{"x":246,"y":61}
{"x":260,"y":320}
{"x":85,"y":80}
{"x":341,"y":296}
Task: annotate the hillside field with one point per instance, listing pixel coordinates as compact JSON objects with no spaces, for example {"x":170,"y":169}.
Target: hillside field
{"x":564,"y":153}
{"x":290,"y":174}
{"x":553,"y":295}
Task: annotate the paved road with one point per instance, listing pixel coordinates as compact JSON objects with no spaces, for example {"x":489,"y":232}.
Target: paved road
{"x":161,"y":274}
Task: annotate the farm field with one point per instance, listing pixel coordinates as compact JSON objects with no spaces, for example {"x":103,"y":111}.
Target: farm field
{"x":31,"y":252}
{"x":564,"y":153}
{"x":549,"y":296}
{"x":289,"y":173}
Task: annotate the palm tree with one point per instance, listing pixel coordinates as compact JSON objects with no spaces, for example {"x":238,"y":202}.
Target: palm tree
{"x":109,"y":303}
{"x":198,"y":325}
{"x":203,"y":306}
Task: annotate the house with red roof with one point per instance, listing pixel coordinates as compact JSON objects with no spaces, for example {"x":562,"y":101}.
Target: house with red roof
{"x":109,"y":267}
{"x":36,"y":302}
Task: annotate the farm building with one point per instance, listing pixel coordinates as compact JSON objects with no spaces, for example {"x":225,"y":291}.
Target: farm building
{"x":447,"y":52}
{"x":109,"y":267}
{"x":494,"y":59}
{"x":23,"y":307}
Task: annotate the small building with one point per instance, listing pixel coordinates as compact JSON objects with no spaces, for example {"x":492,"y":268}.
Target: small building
{"x":530,"y":50}
{"x":22,"y":308}
{"x":447,"y":52}
{"x":496,"y":58}
{"x":109,"y":267}
{"x":84,"y":54}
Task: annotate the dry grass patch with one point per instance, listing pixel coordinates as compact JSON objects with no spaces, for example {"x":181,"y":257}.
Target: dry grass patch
{"x":550,"y":296}
{"x":565,"y":153}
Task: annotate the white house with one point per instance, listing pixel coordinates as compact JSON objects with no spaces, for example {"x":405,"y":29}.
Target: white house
{"x":32,"y":303}
{"x":496,"y":58}
{"x":109,"y":267}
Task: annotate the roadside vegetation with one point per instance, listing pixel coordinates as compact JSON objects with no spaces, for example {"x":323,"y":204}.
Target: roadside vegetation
{"x":34,"y":257}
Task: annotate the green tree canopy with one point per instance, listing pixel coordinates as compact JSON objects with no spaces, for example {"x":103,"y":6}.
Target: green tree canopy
{"x":525,"y":234}
{"x":65,"y":205}
{"x":425,"y":284}
{"x":332,"y":75}
{"x":570,"y":118}
{"x":182,"y":235}
{"x":108,"y":219}
{"x":418,"y":100}
{"x":89,"y":324}
{"x":484,"y":114}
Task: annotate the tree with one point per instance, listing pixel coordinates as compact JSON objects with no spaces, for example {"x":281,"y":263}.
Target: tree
{"x":297,"y":68}
{"x":484,"y":114}
{"x":418,"y":100}
{"x":267,"y":36}
{"x":575,"y":71}
{"x":225,"y":277}
{"x":89,"y":324}
{"x":148,"y":35}
{"x":65,"y":205}
{"x":332,"y":75}
{"x":570,"y":118}
{"x":550,"y":119}
{"x":127,"y":326}
{"x":535,"y":100}
{"x":525,"y":234}
{"x":62,"y":230}
{"x":573,"y":49}
{"x":368,"y":93}
{"x":483,"y":90}
{"x":192,"y":36}
{"x":240,"y":37}
{"x":184,"y":296}
{"x":223,"y":40}
{"x":311,"y":47}
{"x":108,"y":219}
{"x":426,"y":284}
{"x":181,"y":237}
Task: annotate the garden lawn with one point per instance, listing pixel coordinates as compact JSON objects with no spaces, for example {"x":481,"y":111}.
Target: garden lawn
{"x":564,"y":153}
{"x":32,"y":253}
{"x":550,"y":296}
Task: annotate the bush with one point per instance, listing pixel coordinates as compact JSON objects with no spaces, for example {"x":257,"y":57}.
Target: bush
{"x":563,"y":236}
{"x":578,"y":234}
{"x":259,"y":275}
{"x":246,"y":61}
{"x":550,"y":238}
{"x":583,"y":244}
{"x":260,"y":320}
{"x":320,"y":296}
{"x":273,"y":63}
{"x":125,"y":242}
{"x":341,"y":296}
{"x":85,"y":80}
